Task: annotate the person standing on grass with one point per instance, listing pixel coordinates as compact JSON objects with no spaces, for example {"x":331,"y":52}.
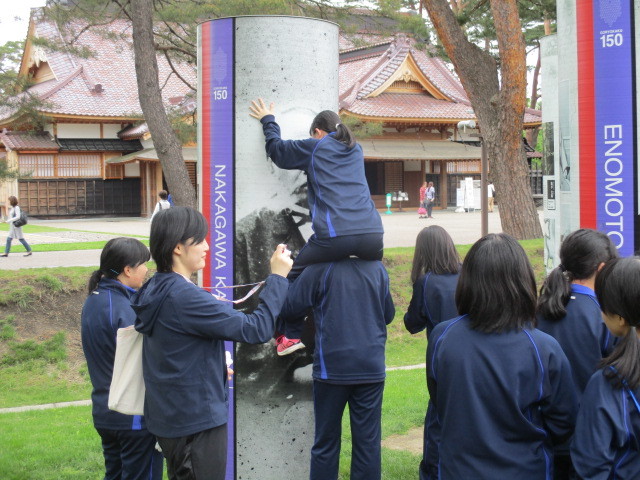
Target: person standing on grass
{"x":128,"y":447}
{"x":435,"y":272}
{"x":15,"y":232}
{"x":503,"y":391}
{"x":569,"y":311}
{"x":605,"y":444}
{"x":352,"y":307}
{"x":183,"y":356}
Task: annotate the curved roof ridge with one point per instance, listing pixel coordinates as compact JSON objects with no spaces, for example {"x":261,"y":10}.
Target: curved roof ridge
{"x":60,"y":85}
{"x":389,"y":63}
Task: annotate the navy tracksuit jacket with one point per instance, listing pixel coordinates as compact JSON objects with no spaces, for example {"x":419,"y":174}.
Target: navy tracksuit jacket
{"x":606,"y":445}
{"x":582,"y":334}
{"x":502,"y":401}
{"x":433,"y":301}
{"x":105,"y":310}
{"x":351,"y":305}
{"x":183,"y":358}
{"x":339,"y":197}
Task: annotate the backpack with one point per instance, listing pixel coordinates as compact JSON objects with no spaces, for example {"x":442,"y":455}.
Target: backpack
{"x":23,"y":220}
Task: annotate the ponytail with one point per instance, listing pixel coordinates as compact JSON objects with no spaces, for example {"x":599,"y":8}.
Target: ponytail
{"x":554,"y":295}
{"x":344,"y":135}
{"x":94,"y":280}
{"x":330,"y":122}
{"x":117,"y":254}
{"x":581,"y":253}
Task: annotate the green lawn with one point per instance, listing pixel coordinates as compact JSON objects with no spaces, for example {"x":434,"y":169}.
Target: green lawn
{"x":62,"y":444}
{"x":61,"y":247}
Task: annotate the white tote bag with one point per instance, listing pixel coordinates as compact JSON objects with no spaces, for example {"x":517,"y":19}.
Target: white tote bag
{"x":126,"y":394}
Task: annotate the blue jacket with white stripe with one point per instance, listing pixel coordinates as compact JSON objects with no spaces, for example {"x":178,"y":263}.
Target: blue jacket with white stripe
{"x":339,"y":197}
{"x":352,"y":307}
{"x":502,"y":400}
{"x":606,"y":443}
{"x":105,"y":310}
{"x":582,"y":334}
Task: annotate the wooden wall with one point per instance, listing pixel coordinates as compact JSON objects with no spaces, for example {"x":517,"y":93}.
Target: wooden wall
{"x":80,"y":197}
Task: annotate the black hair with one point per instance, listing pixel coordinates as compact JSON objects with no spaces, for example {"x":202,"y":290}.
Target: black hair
{"x":580,"y":255}
{"x":171,"y":227}
{"x":330,"y":122}
{"x":497,"y":288}
{"x":435,"y":253}
{"x":163,"y":194}
{"x":618,"y":288}
{"x":119,"y":253}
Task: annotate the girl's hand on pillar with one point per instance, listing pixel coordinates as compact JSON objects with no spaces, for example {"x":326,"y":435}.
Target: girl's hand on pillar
{"x":259,"y":109}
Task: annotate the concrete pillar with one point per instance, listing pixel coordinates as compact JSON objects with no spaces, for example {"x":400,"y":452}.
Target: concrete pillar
{"x":252,"y":205}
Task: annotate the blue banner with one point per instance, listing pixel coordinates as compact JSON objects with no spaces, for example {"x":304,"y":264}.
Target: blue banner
{"x":614,"y":111}
{"x":217,"y":118}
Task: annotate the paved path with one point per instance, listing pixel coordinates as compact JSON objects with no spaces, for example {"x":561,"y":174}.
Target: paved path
{"x":79,"y":403}
{"x":401,"y":229}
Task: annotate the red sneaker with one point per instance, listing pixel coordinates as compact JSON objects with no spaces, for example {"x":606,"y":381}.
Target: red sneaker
{"x":285,"y":346}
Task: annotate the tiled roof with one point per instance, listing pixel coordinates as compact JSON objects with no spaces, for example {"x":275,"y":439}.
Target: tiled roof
{"x":418,"y":106}
{"x":132,"y":132}
{"x":364,"y":70}
{"x":99,"y":145}
{"x":28,"y":141}
{"x":103,"y":85}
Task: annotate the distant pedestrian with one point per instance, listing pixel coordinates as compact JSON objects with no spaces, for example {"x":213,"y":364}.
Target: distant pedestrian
{"x":430,"y":199}
{"x":491,"y":193}
{"x":422,"y":209}
{"x":15,"y":232}
{"x":128,"y":447}
{"x":163,"y":204}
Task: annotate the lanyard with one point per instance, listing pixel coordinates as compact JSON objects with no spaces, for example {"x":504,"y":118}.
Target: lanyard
{"x":251,"y":292}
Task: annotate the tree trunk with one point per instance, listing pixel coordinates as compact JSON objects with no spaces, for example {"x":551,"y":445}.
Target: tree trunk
{"x":499,"y":108}
{"x":164,"y":138}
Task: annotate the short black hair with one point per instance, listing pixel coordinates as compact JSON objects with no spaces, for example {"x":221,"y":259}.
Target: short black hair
{"x":163,"y":194}
{"x":119,"y":253}
{"x":497,"y":287}
{"x":618,"y":288}
{"x":435,"y":253}
{"x":171,"y":227}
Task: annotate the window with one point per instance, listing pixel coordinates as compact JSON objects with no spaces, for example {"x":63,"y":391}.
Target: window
{"x":36,"y":165}
{"x":79,"y":165}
